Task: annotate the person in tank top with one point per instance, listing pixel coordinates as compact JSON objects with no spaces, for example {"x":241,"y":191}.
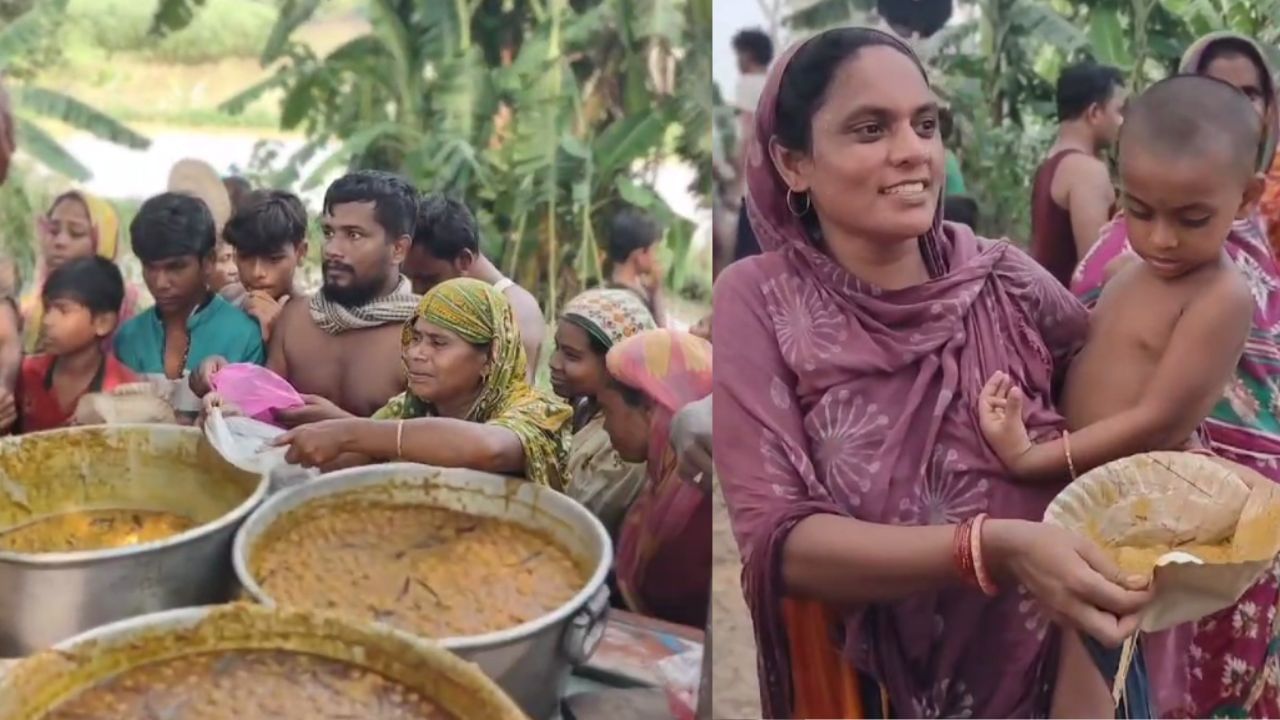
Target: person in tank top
{"x":1072,"y":194}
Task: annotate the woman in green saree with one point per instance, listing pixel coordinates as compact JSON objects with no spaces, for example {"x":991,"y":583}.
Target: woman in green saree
{"x":467,"y":404}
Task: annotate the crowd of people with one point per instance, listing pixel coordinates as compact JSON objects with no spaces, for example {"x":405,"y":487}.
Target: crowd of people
{"x":415,"y":348}
{"x":898,"y":400}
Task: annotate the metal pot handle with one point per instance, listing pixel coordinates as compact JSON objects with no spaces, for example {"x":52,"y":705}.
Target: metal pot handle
{"x":584,"y":631}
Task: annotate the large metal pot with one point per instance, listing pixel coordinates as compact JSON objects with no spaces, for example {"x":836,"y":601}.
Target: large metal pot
{"x":48,"y":597}
{"x":38,"y":684}
{"x":531,"y":661}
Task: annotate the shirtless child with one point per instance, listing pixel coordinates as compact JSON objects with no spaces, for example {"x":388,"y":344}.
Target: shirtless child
{"x":1167,"y":332}
{"x":341,"y":348}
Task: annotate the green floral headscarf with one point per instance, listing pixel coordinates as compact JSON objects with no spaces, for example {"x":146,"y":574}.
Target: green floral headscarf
{"x":481,"y":315}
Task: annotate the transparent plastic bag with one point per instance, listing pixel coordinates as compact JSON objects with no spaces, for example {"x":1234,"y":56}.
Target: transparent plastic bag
{"x":255,"y":390}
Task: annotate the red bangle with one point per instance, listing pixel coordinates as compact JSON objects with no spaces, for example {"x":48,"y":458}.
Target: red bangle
{"x":980,"y":574}
{"x":962,"y":549}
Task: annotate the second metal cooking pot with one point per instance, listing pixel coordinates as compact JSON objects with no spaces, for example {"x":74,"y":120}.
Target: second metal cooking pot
{"x":531,"y":661}
{"x":48,"y":597}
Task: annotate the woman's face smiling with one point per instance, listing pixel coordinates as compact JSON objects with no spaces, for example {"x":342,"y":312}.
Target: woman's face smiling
{"x":875,"y":166}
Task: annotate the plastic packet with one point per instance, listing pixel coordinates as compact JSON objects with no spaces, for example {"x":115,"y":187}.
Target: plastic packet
{"x":246,"y":443}
{"x":256,"y":390}
{"x":681,"y":675}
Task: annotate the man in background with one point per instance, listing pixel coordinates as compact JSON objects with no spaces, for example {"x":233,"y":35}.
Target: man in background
{"x":446,"y":245}
{"x":1072,"y":195}
{"x":754,"y":50}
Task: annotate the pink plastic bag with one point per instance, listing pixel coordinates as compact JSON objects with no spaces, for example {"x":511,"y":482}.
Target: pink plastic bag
{"x":255,"y":390}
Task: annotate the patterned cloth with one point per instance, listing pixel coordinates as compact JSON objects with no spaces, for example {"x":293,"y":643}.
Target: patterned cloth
{"x":1269,"y":206}
{"x":479,"y":314}
{"x":105,"y":233}
{"x":835,"y":396}
{"x":335,"y":319}
{"x":598,"y":478}
{"x":664,"y":555}
{"x":1214,"y":667}
{"x":609,"y":315}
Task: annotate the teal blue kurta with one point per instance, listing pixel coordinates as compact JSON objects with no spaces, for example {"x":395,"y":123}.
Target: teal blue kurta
{"x":218,"y":328}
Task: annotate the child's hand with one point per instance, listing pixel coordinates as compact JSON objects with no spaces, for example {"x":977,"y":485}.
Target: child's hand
{"x":1000,"y":417}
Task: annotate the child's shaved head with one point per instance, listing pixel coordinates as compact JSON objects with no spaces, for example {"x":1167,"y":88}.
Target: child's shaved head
{"x":1188,"y":116}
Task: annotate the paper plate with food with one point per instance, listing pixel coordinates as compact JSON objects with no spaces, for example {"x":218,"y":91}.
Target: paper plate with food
{"x":1203,"y":528}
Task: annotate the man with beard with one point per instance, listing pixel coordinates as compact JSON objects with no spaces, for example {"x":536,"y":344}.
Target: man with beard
{"x":341,"y":348}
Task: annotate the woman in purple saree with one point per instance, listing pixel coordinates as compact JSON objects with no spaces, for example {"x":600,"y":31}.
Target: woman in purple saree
{"x":852,"y":355}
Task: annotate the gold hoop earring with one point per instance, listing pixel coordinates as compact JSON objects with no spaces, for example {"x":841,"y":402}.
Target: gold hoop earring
{"x":792,"y":207}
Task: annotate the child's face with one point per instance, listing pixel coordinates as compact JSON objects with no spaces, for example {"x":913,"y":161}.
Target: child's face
{"x":271,"y":273}
{"x":177,"y":283}
{"x":224,"y":266}
{"x":1179,"y":211}
{"x":69,"y":326}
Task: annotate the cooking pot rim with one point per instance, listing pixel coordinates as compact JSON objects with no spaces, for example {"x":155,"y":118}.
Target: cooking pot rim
{"x":341,"y":480}
{"x":90,"y":557}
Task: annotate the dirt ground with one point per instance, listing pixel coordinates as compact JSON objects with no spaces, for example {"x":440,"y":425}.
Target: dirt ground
{"x":735,"y":692}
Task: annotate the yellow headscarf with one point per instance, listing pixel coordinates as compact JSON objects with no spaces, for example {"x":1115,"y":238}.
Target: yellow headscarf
{"x":481,"y":315}
{"x":105,"y":224}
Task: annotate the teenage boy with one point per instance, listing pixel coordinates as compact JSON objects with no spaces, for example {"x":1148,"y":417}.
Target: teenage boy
{"x":269,"y":235}
{"x":173,"y":236}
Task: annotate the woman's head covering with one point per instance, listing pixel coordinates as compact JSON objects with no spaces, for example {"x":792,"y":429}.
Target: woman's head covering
{"x":1193,"y":62}
{"x":481,"y":315}
{"x":671,"y":367}
{"x":104,"y":232}
{"x":609,"y":315}
{"x":198,"y":179}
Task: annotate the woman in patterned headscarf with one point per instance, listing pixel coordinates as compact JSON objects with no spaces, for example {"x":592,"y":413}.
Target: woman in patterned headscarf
{"x":592,"y":323}
{"x":77,"y":225}
{"x":468,"y":404}
{"x":664,"y":555}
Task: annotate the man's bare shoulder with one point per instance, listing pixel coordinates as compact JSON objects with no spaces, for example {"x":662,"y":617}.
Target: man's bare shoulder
{"x":1081,"y":168}
{"x":295,"y":314}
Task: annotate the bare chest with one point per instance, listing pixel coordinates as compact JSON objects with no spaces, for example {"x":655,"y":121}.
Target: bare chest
{"x":359,"y":370}
{"x":1129,"y":333}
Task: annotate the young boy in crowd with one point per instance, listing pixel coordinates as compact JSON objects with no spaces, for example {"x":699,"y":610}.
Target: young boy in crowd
{"x":1167,"y":332}
{"x":269,"y":235}
{"x":632,"y":248}
{"x":82,"y":304}
{"x":173,"y":236}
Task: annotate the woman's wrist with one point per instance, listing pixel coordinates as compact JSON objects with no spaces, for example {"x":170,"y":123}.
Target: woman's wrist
{"x":1002,"y":540}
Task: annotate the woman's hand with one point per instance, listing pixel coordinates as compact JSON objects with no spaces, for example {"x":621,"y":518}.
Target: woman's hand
{"x":315,"y":444}
{"x":316,"y":409}
{"x":691,"y":439}
{"x":1000,"y":417}
{"x":1075,"y":582}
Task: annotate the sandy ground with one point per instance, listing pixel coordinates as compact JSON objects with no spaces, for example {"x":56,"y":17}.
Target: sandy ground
{"x":733,"y":645}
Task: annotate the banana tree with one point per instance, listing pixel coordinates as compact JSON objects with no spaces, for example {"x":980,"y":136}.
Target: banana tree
{"x":31,"y":101}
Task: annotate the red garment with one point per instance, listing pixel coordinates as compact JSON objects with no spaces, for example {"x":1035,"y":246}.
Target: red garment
{"x":1053,"y":244}
{"x":40,"y":408}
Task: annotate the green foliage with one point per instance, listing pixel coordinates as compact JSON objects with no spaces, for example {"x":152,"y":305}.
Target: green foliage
{"x":215,"y":29}
{"x":21,"y":200}
{"x":546,"y":115}
{"x":20,"y":39}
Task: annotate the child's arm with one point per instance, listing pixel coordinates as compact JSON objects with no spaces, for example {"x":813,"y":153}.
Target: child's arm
{"x":1188,"y":381}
